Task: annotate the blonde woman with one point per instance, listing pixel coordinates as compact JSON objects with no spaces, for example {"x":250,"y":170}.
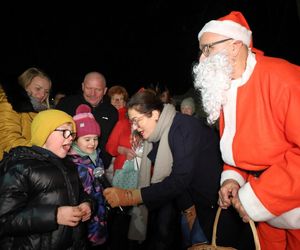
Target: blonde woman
{"x":19,"y":103}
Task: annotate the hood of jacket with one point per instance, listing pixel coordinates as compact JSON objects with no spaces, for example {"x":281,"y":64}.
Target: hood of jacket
{"x":17,"y":97}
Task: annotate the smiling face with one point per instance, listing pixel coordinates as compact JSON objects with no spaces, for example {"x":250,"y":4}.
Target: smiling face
{"x":39,"y":88}
{"x":87,"y":143}
{"x":143,"y":123}
{"x":57,"y":143}
{"x":94,"y":88}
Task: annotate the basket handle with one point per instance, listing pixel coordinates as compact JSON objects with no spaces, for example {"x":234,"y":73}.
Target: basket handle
{"x":252,"y":225}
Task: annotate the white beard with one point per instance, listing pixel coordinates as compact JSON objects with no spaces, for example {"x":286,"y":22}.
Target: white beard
{"x":212,"y":79}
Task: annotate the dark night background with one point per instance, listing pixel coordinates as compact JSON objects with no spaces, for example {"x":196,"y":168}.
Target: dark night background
{"x":133,"y":44}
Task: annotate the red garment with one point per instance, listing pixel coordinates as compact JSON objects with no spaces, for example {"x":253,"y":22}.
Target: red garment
{"x":120,"y":136}
{"x":267,"y":138}
{"x":122,"y":113}
{"x":272,"y":238}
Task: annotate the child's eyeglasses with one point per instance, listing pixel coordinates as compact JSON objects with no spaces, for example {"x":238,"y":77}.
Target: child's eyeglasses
{"x":67,"y":133}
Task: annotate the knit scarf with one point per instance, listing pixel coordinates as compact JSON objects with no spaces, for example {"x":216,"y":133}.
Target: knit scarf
{"x":37,"y":106}
{"x":92,"y":156}
{"x":164,"y":159}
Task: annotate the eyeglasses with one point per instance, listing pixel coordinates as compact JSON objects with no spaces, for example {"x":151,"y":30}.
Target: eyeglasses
{"x":135,"y":121}
{"x":205,"y":50}
{"x":67,"y":133}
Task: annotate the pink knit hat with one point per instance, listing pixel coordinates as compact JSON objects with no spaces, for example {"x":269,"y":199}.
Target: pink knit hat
{"x":85,"y":121}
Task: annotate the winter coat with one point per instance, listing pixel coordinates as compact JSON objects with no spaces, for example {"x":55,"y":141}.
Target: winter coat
{"x":97,"y":225}
{"x":262,"y":152}
{"x":16,"y":115}
{"x":33,"y":184}
{"x":120,"y":136}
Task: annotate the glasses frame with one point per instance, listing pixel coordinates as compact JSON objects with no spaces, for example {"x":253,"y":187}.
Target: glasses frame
{"x":135,"y":121}
{"x":67,"y":133}
{"x":206,"y":47}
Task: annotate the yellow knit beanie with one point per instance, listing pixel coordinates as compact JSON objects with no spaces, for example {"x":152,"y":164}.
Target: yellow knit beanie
{"x":45,"y":122}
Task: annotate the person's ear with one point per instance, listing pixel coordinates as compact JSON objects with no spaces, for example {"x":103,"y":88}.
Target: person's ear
{"x":236,"y":47}
{"x":155,"y":114}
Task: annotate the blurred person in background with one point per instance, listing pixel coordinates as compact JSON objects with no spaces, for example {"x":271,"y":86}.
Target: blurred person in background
{"x":118,"y":98}
{"x":56,"y":99}
{"x":187,"y":106}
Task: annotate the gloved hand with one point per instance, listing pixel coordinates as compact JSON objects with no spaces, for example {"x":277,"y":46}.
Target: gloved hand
{"x":122,"y":197}
{"x":190,"y":215}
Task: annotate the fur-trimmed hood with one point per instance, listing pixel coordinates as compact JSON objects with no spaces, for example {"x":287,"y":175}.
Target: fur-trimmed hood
{"x":17,"y":97}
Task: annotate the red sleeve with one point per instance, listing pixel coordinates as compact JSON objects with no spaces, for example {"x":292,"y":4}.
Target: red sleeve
{"x":113,"y":140}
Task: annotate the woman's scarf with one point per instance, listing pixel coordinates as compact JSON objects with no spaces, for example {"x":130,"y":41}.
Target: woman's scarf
{"x":164,"y":159}
{"x":37,"y":106}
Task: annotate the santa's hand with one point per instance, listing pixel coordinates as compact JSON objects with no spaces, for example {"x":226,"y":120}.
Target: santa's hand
{"x":122,"y":197}
{"x":236,"y":203}
{"x":228,"y":190}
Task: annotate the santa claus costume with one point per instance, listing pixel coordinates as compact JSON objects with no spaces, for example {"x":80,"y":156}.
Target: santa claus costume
{"x":260,"y":138}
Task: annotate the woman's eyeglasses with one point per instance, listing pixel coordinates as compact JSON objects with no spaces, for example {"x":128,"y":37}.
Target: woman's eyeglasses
{"x":67,"y":133}
{"x":135,"y":121}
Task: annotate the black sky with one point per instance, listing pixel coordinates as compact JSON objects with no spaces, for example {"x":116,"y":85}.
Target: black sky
{"x":132,"y":43}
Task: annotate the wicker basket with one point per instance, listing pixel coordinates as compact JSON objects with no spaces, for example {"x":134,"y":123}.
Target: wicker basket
{"x":213,"y":245}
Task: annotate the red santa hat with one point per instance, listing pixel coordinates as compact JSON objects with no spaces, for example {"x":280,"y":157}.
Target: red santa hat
{"x":85,"y":121}
{"x":233,"y":25}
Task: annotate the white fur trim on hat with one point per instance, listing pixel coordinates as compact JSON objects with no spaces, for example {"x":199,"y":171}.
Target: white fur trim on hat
{"x":229,"y":29}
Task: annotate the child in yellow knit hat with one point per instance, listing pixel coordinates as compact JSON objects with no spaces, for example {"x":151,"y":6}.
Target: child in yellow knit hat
{"x":41,"y":202}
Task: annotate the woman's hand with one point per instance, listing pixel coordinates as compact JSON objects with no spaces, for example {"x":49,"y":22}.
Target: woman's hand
{"x":130,"y":154}
{"x":122,"y":197}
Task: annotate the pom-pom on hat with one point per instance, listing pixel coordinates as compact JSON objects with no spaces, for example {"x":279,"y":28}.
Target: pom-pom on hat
{"x":45,"y":122}
{"x":85,"y":121}
{"x":233,"y":25}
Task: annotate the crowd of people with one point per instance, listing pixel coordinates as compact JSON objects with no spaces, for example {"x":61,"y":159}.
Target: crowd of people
{"x":177,"y":168}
